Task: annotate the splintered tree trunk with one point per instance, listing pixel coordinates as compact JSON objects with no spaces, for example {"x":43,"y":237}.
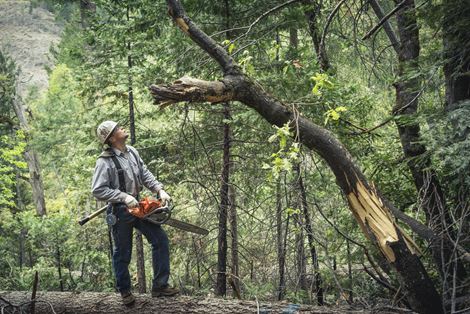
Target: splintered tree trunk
{"x":370,"y":209}
{"x":425,"y":178}
{"x":221,"y":285}
{"x":32,"y":161}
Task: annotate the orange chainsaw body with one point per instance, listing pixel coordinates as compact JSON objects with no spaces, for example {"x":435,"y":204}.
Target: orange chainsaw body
{"x":146,"y":206}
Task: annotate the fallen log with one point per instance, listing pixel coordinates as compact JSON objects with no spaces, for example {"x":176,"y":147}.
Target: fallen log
{"x":102,"y":302}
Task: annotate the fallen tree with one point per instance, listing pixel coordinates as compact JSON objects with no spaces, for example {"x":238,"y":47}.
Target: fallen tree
{"x":370,"y":209}
{"x":101,"y":303}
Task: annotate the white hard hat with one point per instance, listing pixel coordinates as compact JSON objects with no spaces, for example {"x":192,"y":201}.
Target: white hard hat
{"x":105,"y":130}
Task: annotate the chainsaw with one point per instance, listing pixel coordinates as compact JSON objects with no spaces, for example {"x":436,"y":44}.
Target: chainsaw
{"x":154,"y":211}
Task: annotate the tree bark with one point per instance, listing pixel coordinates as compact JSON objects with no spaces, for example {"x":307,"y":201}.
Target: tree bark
{"x":367,"y":206}
{"x":221,"y":285}
{"x":31,"y":158}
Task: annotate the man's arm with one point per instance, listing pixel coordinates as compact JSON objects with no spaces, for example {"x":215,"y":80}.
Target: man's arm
{"x":101,"y":184}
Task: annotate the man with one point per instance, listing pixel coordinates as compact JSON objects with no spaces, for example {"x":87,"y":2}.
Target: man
{"x":119,"y":176}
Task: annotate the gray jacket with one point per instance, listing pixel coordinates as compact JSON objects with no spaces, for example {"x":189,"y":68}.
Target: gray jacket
{"x":105,"y":183}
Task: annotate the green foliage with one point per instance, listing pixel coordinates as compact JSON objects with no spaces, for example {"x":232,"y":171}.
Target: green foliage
{"x":322,"y":82}
{"x":12,"y":142}
{"x":286,"y":156}
{"x":334,"y":114}
{"x":449,"y":139}
{"x":12,"y":149}
{"x":182,"y":145}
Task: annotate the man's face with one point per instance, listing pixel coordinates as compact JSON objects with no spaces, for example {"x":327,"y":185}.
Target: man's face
{"x":119,"y":135}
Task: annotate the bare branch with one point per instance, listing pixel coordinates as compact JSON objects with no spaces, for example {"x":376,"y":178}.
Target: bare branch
{"x":327,"y":25}
{"x":265,"y":14}
{"x":384,"y":20}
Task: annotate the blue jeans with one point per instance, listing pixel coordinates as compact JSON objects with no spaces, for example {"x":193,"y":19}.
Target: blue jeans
{"x":122,"y":236}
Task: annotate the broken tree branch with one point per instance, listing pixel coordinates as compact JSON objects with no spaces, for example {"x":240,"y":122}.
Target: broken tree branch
{"x":191,"y":90}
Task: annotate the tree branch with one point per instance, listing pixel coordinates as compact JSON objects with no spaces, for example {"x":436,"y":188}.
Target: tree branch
{"x":262,"y":16}
{"x":384,"y":20}
{"x":191,"y":90}
{"x":204,"y":41}
{"x":327,"y":25}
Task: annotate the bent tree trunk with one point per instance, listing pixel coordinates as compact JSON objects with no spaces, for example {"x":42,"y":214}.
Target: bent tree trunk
{"x":32,"y":161}
{"x":366,"y":204}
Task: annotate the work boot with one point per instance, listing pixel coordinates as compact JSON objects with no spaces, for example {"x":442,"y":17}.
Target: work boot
{"x":166,"y":291}
{"x":127,"y":298}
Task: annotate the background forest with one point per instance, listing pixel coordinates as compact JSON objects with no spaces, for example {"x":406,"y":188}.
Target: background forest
{"x":396,"y":96}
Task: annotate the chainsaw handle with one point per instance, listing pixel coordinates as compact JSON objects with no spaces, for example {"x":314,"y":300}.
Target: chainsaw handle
{"x":86,"y":219}
{"x":165,"y":211}
{"x":83,"y":221}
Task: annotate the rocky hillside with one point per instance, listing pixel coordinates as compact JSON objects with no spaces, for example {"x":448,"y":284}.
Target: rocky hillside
{"x":27,"y":37}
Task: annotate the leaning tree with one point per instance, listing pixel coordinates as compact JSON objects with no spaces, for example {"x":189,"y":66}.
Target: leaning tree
{"x":371,"y":210}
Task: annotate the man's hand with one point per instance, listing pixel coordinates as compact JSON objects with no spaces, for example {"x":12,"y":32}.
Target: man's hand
{"x":131,"y":202}
{"x":164,"y":196}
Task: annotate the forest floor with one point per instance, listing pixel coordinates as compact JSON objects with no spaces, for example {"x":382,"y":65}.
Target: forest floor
{"x":101,"y":302}
{"x":27,"y":38}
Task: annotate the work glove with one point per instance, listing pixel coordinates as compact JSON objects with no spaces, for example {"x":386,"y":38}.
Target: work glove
{"x":130,"y":201}
{"x":164,"y":196}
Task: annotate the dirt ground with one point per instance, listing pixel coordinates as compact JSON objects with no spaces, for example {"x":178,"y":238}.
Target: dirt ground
{"x":27,"y":38}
